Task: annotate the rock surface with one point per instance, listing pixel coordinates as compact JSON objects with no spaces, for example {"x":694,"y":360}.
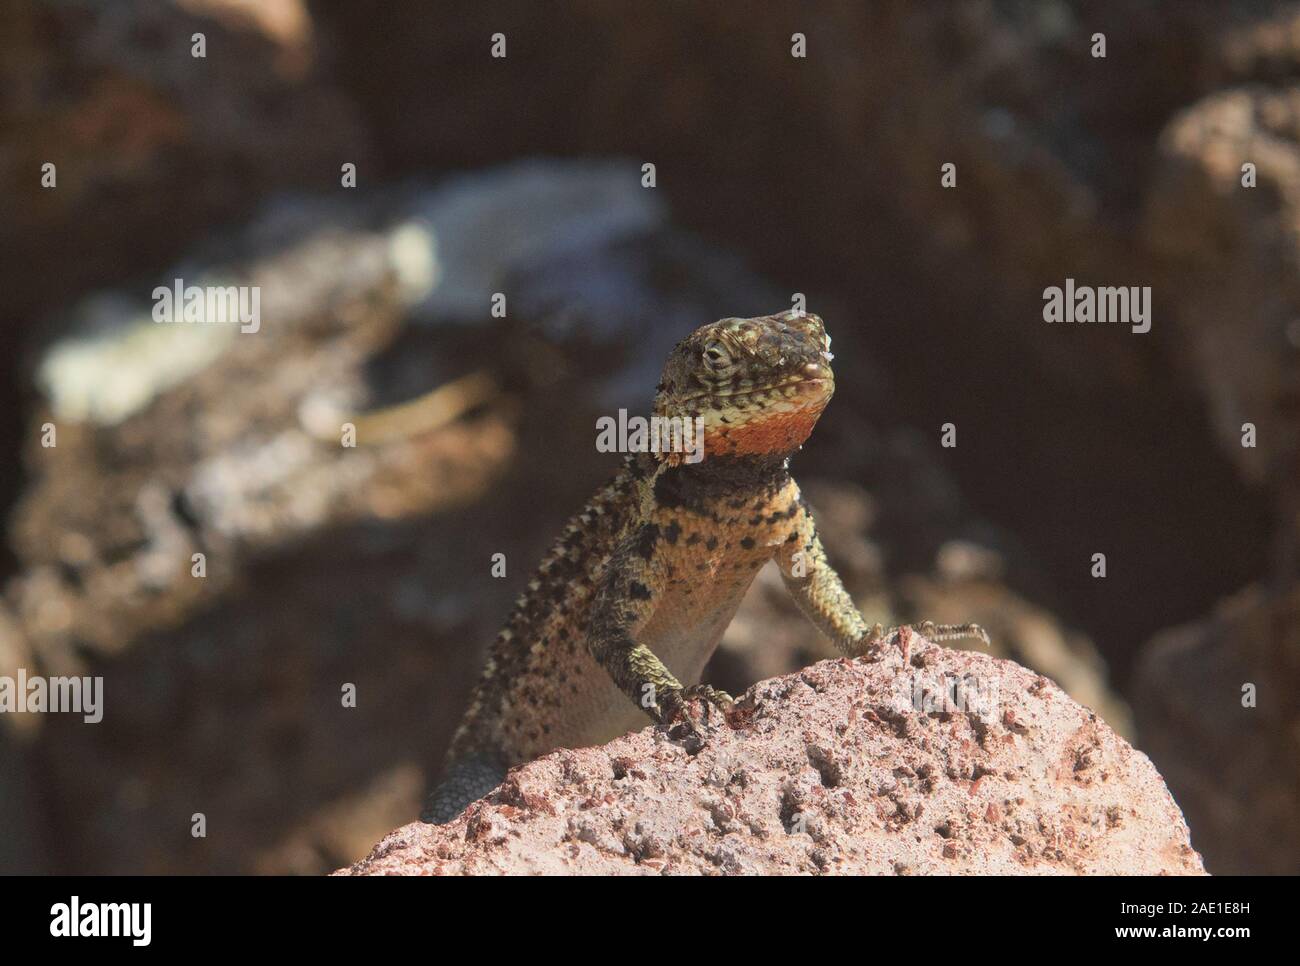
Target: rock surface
{"x":951,"y":763}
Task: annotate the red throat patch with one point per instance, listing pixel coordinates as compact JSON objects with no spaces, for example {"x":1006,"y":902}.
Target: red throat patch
{"x":777,"y":433}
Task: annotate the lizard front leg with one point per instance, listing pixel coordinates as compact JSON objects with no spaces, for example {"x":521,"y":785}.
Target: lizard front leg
{"x":820,"y":594}
{"x":624,"y":603}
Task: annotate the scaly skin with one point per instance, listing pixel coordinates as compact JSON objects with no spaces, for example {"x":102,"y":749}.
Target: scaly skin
{"x":627,"y":607}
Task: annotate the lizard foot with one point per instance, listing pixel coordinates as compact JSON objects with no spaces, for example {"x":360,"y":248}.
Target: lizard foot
{"x":694,"y":711}
{"x":879,"y":640}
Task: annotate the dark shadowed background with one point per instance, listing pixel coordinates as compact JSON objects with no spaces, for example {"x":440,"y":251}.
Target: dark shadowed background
{"x":774,"y":175}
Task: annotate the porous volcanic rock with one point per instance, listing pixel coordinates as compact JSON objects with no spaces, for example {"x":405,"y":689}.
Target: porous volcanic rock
{"x":950,"y":762}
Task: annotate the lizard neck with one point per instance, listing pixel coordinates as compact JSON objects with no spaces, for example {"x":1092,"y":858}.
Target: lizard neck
{"x":720,"y":479}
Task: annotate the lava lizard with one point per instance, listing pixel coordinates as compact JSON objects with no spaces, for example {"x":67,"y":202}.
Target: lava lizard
{"x":632,"y":599}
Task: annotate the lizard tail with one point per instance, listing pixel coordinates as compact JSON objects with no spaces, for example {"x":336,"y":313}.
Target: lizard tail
{"x":465,"y":780}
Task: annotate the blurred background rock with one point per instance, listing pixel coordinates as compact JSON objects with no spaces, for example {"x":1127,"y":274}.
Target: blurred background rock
{"x":776,"y":175}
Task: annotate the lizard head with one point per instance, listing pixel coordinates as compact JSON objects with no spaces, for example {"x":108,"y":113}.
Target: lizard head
{"x":758,"y":384}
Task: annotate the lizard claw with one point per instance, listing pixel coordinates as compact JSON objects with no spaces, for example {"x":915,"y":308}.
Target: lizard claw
{"x":696,"y":709}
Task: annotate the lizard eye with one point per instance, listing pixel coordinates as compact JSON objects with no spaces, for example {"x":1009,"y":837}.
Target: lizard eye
{"x":716,"y":356}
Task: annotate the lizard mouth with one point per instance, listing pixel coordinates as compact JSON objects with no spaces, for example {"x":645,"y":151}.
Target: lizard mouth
{"x":803,"y":383}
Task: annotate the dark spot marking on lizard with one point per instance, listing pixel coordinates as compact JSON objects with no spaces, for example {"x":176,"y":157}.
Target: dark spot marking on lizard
{"x":646,"y":540}
{"x":693,"y":539}
{"x":672,"y":532}
{"x":636,"y":469}
{"x":794,"y":535}
{"x":711,"y":543}
{"x":638,"y":591}
{"x":747,"y":543}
